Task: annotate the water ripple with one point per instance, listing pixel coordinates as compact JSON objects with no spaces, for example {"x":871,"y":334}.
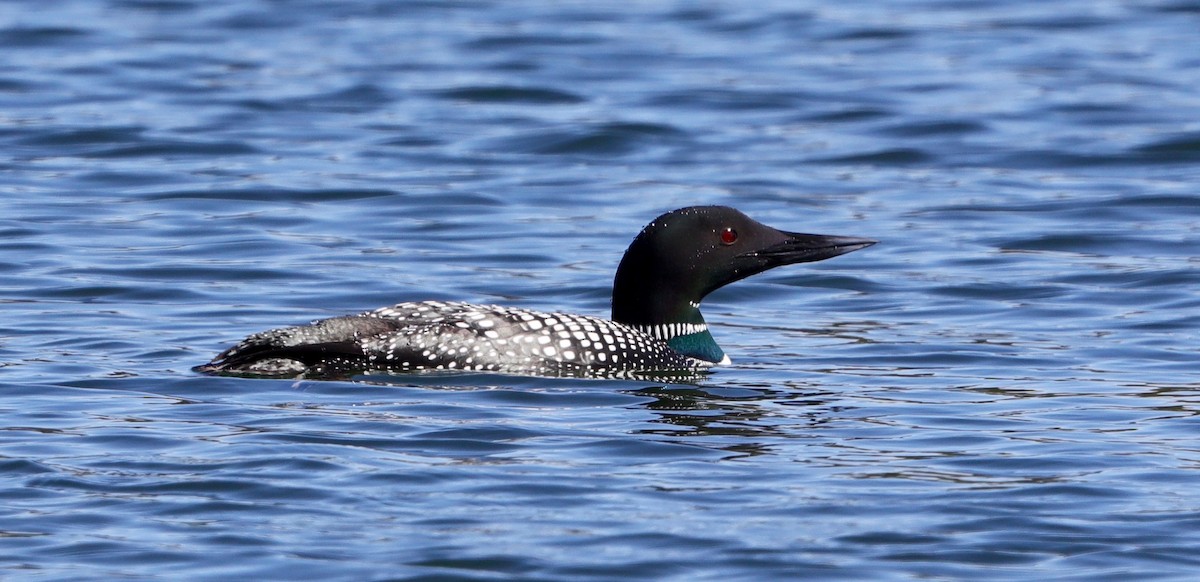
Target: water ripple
{"x":1003,"y":387}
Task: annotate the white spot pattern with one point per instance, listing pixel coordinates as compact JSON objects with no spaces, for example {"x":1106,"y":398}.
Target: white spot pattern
{"x":435,"y":335}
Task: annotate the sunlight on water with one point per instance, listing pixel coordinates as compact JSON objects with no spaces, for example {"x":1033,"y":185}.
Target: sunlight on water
{"x":1003,"y":388}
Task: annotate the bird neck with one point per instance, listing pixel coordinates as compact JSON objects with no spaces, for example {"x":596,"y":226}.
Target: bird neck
{"x":678,"y":322}
{"x":659,"y":303}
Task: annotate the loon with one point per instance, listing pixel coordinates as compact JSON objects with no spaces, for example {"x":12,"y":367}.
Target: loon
{"x":656,"y":327}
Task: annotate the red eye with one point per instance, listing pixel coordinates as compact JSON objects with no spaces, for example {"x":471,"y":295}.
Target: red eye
{"x":728,"y":236}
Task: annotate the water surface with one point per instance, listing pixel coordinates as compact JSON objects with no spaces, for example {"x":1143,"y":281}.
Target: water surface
{"x":1003,"y":389}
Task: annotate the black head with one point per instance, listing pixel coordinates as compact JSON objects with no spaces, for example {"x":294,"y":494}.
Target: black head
{"x":684,"y":255}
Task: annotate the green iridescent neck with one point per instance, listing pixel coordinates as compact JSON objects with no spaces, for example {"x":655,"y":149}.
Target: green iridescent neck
{"x":699,"y":345}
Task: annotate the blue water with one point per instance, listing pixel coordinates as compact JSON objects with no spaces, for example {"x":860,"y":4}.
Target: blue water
{"x":1004,"y":388}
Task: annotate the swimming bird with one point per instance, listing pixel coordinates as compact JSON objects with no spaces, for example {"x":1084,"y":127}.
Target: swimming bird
{"x":656,"y":326}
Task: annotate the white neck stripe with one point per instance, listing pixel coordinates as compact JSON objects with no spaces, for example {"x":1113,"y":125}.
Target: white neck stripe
{"x":666,"y":331}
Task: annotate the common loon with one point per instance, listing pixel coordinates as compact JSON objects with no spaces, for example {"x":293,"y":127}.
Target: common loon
{"x":656,"y":327}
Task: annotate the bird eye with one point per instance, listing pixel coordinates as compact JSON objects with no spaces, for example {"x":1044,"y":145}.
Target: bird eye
{"x":728,"y":236}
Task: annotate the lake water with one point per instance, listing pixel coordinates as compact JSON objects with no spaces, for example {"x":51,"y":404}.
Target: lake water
{"x":1005,"y":388}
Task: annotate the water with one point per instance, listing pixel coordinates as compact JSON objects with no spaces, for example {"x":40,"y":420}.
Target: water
{"x":1003,"y":389}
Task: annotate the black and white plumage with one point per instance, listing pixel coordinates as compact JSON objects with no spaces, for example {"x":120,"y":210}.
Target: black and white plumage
{"x":656,"y":327}
{"x":435,"y":335}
